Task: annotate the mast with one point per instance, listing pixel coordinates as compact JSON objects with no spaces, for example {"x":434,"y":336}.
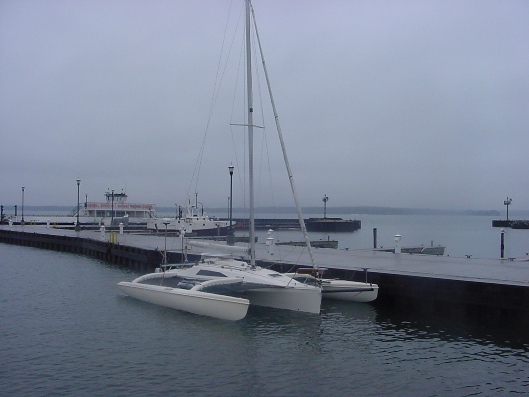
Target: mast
{"x":283,"y":148}
{"x":250,"y":134}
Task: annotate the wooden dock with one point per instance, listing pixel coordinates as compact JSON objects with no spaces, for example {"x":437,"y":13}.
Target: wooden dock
{"x":491,"y":289}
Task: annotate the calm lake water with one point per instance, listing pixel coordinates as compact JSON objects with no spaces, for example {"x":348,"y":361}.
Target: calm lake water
{"x":461,"y":235}
{"x":66,"y":330}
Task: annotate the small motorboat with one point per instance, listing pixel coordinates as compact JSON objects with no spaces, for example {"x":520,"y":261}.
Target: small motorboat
{"x":352,"y":291}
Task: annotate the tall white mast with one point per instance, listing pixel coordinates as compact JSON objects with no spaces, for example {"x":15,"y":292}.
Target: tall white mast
{"x":250,"y":133}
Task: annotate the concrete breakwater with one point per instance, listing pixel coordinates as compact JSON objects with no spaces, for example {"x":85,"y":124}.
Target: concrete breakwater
{"x":490,"y":289}
{"x":141,"y":259}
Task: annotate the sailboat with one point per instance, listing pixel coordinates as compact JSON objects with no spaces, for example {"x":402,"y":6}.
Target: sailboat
{"x":220,"y":285}
{"x":354,"y":291}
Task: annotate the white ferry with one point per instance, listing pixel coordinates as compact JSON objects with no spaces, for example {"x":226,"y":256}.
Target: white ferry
{"x":115,"y":210}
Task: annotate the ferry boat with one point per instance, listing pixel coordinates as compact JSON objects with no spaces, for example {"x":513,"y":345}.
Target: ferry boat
{"x":115,"y":210}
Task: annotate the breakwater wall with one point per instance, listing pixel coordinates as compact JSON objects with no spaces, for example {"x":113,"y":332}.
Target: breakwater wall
{"x":135,"y":258}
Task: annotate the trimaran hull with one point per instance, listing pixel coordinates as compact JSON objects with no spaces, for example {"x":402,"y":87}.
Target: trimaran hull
{"x":196,"y":302}
{"x":307,"y":301}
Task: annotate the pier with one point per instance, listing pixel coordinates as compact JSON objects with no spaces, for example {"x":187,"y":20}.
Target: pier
{"x":490,"y":289}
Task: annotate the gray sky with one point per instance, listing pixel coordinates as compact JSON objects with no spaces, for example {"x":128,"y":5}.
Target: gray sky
{"x":383,"y":103}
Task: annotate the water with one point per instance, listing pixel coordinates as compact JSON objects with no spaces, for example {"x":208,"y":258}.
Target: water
{"x":461,"y":235}
{"x":66,"y":330}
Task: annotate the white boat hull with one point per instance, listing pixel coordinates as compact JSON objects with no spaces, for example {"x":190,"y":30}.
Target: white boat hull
{"x":296,"y":299}
{"x":196,"y":302}
{"x":352,"y":291}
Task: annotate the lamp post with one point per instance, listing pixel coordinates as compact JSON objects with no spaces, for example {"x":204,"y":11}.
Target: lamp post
{"x":325,"y":199}
{"x":78,"y":225}
{"x":507,"y":203}
{"x":112,"y":216}
{"x":230,"y":239}
{"x":22,"y":221}
{"x":166,"y":223}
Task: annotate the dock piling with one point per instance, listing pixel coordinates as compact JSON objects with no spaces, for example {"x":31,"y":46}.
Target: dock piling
{"x":502,"y":243}
{"x":398,"y":248}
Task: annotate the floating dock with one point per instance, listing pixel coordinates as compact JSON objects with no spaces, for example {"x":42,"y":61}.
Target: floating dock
{"x":491,"y":289}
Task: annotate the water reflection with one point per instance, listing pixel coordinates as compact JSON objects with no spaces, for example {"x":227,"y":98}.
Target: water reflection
{"x":411,"y":325}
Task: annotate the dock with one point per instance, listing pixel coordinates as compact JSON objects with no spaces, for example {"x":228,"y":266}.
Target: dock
{"x":486,"y":289}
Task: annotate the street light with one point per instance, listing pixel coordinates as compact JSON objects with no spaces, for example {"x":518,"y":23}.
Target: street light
{"x":507,"y":203}
{"x":325,"y":199}
{"x":230,"y":239}
{"x":166,"y":223}
{"x":112,"y":215}
{"x":22,"y":221}
{"x":78,"y":225}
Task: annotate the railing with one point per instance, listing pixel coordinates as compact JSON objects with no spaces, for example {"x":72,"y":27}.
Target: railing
{"x":75,"y":211}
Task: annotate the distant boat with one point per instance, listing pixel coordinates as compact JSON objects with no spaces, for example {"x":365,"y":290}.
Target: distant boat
{"x":192,"y":224}
{"x":438,"y":250}
{"x":114,"y":210}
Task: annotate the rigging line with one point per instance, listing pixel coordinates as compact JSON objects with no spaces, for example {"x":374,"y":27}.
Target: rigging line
{"x":214,"y":97}
{"x":233,"y":140}
{"x":261,"y":102}
{"x":285,"y":157}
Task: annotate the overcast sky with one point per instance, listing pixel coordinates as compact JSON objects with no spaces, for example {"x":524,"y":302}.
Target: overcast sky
{"x":383,"y":103}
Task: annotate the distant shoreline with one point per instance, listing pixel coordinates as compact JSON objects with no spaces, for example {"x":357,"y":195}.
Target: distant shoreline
{"x":359,"y":210}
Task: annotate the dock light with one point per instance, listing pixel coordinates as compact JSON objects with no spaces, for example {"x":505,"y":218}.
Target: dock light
{"x":166,"y":223}
{"x":22,"y":221}
{"x":78,"y":225}
{"x":230,"y":239}
{"x":325,"y":199}
{"x":507,"y":203}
